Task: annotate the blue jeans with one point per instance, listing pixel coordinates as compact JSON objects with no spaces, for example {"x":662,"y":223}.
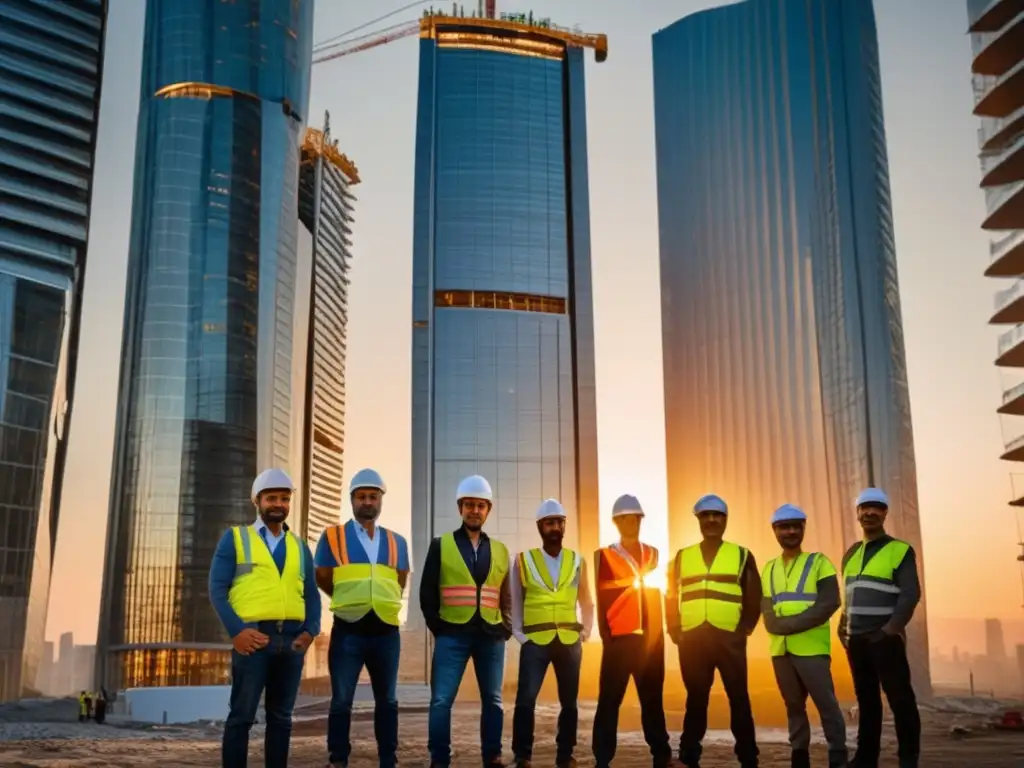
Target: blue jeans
{"x":534,"y":661}
{"x":276,"y":671}
{"x":451,"y":655}
{"x":349,"y":653}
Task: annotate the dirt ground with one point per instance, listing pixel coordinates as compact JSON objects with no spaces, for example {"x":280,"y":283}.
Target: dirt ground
{"x":983,"y":748}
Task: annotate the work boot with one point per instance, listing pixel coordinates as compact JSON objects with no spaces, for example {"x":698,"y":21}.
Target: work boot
{"x":524,"y":764}
{"x":567,"y":763}
{"x":908,"y":762}
{"x":800,"y":758}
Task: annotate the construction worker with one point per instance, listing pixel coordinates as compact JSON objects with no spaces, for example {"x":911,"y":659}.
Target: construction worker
{"x":363,"y":567}
{"x":263,"y":588}
{"x":552,"y":615}
{"x":464,"y":597}
{"x":83,"y":707}
{"x":882,"y":592}
{"x":632,"y":630}
{"x":800,"y":592}
{"x":712,"y":606}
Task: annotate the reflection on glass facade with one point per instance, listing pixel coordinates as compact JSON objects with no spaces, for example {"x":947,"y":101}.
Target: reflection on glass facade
{"x":206,"y":387}
{"x":50,"y":70}
{"x":325,"y":209}
{"x":503,"y":348}
{"x":785,"y":376}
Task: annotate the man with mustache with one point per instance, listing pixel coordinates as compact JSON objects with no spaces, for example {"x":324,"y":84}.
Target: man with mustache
{"x":552,"y":615}
{"x":882,"y":592}
{"x":363,"y":567}
{"x":464,"y":597}
{"x":800,"y":594}
{"x":263,"y":588}
{"x":712,"y":605}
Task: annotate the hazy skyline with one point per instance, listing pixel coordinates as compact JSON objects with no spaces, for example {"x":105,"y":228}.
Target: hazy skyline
{"x":941,"y":251}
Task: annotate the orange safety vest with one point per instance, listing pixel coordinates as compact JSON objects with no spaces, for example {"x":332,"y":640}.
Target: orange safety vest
{"x":620,"y":587}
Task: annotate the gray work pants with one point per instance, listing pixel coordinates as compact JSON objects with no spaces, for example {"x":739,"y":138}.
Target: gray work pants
{"x":798,"y":677}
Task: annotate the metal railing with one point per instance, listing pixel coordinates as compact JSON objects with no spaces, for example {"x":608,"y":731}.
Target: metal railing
{"x":1007,"y":296}
{"x":1010,"y":339}
{"x":999,"y":248}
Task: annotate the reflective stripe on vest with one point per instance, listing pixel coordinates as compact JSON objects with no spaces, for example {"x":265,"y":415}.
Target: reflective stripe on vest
{"x":360,"y":587}
{"x":621,"y":589}
{"x":711,"y":595}
{"x":870,"y":589}
{"x":792,"y":593}
{"x":460,"y":596}
{"x":259,"y":592}
{"x":549,"y":610}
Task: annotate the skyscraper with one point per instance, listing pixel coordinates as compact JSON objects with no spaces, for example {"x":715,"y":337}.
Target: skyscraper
{"x":503,"y":339}
{"x":206,"y":395}
{"x":785,"y":376}
{"x":51,"y":62}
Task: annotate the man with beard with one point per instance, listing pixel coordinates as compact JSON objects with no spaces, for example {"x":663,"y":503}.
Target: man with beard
{"x":633,"y":634}
{"x":882,"y":592}
{"x":263,"y":588}
{"x":712,"y":605}
{"x":363,"y":567}
{"x":464,"y":597}
{"x":800,"y":593}
{"x":550,"y":596}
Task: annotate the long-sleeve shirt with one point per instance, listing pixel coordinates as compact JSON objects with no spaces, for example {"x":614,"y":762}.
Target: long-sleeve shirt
{"x":478,"y":561}
{"x":750,"y":584}
{"x":826,"y":603}
{"x":222,"y":574}
{"x":905,"y":577}
{"x":584,"y":600}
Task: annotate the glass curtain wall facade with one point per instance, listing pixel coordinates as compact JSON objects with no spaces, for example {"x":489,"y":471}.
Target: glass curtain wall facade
{"x":503,"y":348}
{"x":51,"y":60}
{"x":205,"y":398}
{"x":785,"y":374}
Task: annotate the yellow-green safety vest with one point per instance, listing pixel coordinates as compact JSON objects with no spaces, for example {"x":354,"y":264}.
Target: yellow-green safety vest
{"x":870,"y":589}
{"x":793,"y":589}
{"x":711,"y":595}
{"x":460,"y":596}
{"x":259,"y":592}
{"x":549,"y":610}
{"x":363,"y":587}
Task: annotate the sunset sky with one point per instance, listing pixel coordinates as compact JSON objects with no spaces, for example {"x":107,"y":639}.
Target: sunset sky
{"x":969,"y":533}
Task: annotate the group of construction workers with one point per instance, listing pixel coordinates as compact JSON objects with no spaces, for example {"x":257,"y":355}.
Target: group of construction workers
{"x":474,"y":597}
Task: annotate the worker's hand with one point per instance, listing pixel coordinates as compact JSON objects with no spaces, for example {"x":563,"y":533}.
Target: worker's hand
{"x":584,"y":636}
{"x":302,"y":642}
{"x":249,"y":640}
{"x":888,"y":632}
{"x":521,"y":638}
{"x":676,"y":636}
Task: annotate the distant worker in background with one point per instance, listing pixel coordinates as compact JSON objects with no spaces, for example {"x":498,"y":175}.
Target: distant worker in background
{"x":100,"y":708}
{"x":464,"y":597}
{"x":552,"y":616}
{"x":712,"y":605}
{"x":800,"y":593}
{"x":633,"y":633}
{"x":263,"y":588}
{"x":83,"y":707}
{"x":363,"y":567}
{"x":882,"y":592}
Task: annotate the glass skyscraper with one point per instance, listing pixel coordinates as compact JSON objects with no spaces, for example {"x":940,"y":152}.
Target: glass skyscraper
{"x":206,"y":389}
{"x":51,"y":57}
{"x":503,"y":336}
{"x":785,"y":375}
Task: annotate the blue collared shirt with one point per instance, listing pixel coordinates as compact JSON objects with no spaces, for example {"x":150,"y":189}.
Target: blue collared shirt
{"x":222,"y":574}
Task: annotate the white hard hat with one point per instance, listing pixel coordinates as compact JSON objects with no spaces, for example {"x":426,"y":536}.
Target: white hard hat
{"x":874,"y":497}
{"x":789,"y":513}
{"x":367,"y":478}
{"x":627,"y":505}
{"x":271,"y":479}
{"x":474,"y":487}
{"x":550,"y":508}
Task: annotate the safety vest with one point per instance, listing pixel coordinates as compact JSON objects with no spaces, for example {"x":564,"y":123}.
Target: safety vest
{"x":259,"y":591}
{"x":792,"y":591}
{"x":711,"y":595}
{"x":870,"y":589}
{"x":361,"y":586}
{"x":461,"y":598}
{"x":549,"y":610}
{"x":620,"y":585}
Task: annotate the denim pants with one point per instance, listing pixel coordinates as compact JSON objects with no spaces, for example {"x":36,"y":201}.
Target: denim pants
{"x":451,"y":655}
{"x":534,"y":661}
{"x":349,"y":653}
{"x":273,"y":672}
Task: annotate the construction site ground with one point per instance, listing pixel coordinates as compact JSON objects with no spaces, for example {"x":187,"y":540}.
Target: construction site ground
{"x":39,"y":742}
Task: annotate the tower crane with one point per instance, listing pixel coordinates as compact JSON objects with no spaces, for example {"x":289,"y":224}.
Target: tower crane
{"x":485,"y":17}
